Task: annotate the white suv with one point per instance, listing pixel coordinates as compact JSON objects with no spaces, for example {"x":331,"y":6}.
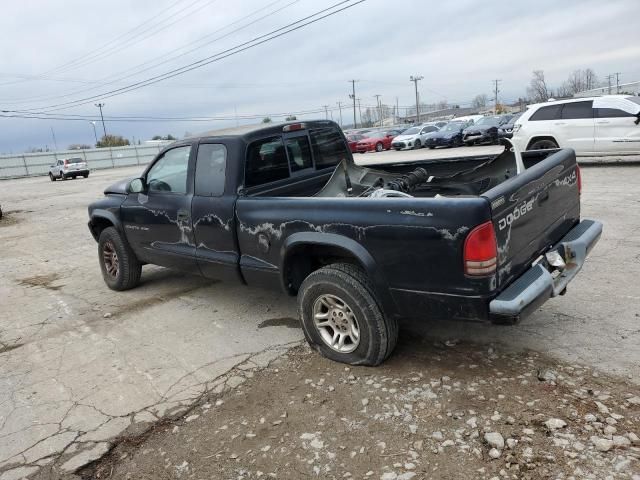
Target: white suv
{"x":606,"y":125}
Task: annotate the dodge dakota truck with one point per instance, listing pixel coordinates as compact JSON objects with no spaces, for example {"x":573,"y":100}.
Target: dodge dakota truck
{"x":485,"y":238}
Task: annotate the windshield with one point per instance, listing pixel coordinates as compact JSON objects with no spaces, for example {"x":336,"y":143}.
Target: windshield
{"x":75,"y":160}
{"x":411,"y":131}
{"x":634,"y":99}
{"x":452,"y":127}
{"x":491,"y":121}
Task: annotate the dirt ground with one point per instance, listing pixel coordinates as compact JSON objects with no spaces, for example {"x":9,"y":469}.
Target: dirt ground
{"x":433,"y":411}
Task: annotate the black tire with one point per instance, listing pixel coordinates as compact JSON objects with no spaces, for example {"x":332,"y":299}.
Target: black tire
{"x":62,"y":176}
{"x":128,"y":270}
{"x":431,"y":147}
{"x":74,"y":177}
{"x":51,"y":177}
{"x":417,"y":145}
{"x":543,"y":144}
{"x":379,"y":147}
{"x":85,"y":175}
{"x":378,"y":335}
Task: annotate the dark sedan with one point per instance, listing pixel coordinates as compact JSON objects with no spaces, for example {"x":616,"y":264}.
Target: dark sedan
{"x":448,"y":136}
{"x":485,"y":130}
{"x":506,"y":130}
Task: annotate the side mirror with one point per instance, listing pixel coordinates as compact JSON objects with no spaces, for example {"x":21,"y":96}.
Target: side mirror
{"x":136,"y":185}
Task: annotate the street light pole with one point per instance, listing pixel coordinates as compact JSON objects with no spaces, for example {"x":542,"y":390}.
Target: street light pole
{"x":104,"y":129}
{"x":415,"y":80}
{"x":93,"y":124}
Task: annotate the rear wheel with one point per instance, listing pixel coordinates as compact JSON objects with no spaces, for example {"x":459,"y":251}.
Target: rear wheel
{"x":543,"y":144}
{"x":379,"y":147}
{"x":121,"y":269}
{"x":341,"y":317}
{"x":85,"y":175}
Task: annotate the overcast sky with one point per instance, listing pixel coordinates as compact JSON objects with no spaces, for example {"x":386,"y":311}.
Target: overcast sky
{"x":60,"y":51}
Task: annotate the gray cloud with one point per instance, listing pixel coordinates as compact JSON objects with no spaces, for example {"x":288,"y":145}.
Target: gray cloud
{"x":459,"y":47}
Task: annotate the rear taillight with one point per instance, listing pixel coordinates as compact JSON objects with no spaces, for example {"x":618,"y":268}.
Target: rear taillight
{"x":579,"y":179}
{"x":66,"y":162}
{"x":481,"y":251}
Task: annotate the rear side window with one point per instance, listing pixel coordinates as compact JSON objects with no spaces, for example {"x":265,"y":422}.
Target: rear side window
{"x":299,"y":153}
{"x":576,"y":110}
{"x":429,"y":129}
{"x":75,"y":160}
{"x":612,"y":113}
{"x":329,"y":148}
{"x":266,"y":162}
{"x":551,"y":112}
{"x":210,"y":169}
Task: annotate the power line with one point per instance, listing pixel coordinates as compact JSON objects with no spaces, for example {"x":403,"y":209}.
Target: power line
{"x":105,"y":45}
{"x":163,"y":59}
{"x":291,"y":27}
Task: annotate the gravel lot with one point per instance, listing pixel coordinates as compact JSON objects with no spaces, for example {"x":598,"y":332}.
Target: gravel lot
{"x":81,"y":365}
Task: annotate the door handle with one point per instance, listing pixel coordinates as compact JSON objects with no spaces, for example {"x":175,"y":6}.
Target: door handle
{"x":560,"y":123}
{"x":603,"y":121}
{"x":183,"y":215}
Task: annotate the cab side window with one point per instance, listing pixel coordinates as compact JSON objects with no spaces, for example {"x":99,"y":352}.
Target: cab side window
{"x":169,"y":173}
{"x":211,"y":165}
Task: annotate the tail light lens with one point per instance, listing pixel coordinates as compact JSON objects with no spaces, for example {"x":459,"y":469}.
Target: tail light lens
{"x":579,"y":178}
{"x":481,"y":251}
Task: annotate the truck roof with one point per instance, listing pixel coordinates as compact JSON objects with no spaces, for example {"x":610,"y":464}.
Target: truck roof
{"x":260,"y":129}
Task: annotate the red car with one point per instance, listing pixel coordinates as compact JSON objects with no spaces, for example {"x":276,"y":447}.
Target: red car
{"x":375,"y":142}
{"x":353,"y":140}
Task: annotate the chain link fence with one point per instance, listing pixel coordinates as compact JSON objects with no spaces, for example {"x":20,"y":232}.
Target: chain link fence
{"x":34,"y":164}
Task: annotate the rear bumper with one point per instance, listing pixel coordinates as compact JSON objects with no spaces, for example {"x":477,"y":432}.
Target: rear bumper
{"x":71,"y":173}
{"x":542,"y":282}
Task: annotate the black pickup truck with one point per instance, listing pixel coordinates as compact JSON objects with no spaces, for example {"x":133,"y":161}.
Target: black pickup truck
{"x":485,"y":238}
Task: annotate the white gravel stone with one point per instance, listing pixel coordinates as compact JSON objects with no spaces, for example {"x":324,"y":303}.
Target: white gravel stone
{"x":437,"y":436}
{"x":448,"y":443}
{"x":413,"y":428}
{"x":389,"y":476}
{"x":472,"y":422}
{"x":406,"y":476}
{"x":494,"y":439}
{"x":365,"y":402}
{"x":590,"y":418}
{"x":602,"y":408}
{"x":555,"y":424}
{"x":634,"y":400}
{"x":610,"y":430}
{"x":528,"y":431}
{"x":602,"y":444}
{"x":633,"y":438}
{"x":620,"y":442}
{"x":511,"y":443}
{"x":494,"y":453}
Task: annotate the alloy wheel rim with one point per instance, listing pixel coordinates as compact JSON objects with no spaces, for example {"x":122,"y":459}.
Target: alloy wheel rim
{"x":110,"y":259}
{"x":336,"y":323}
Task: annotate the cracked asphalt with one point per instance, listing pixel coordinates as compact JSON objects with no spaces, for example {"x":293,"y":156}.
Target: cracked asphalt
{"x":81,"y":366}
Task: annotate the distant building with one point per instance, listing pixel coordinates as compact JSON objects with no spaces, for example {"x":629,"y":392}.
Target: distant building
{"x":632,"y":88}
{"x":444,"y":114}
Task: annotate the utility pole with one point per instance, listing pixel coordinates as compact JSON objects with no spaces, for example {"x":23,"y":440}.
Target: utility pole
{"x":496,"y":90}
{"x":326,"y":112}
{"x":617,"y":74}
{"x":93,"y":124}
{"x":609,"y":78}
{"x":360,"y":111}
{"x":352,"y":96}
{"x":104,"y":129}
{"x":377,"y":97}
{"x":415,"y":80}
{"x":53,"y":134}
{"x":340,"y":108}
{"x":397,"y":111}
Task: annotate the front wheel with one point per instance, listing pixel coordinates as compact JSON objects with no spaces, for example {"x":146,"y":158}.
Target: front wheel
{"x":51,"y":177}
{"x":417,"y":145}
{"x":121,"y":269}
{"x":379,"y":147}
{"x":341,"y":317}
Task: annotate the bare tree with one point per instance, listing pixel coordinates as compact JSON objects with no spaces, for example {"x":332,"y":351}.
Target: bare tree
{"x":590,"y":79}
{"x":480,"y":101}
{"x":538,"y":90}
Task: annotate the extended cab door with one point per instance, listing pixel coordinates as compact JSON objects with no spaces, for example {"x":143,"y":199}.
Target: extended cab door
{"x":616,"y":132}
{"x":575,"y":128}
{"x":213,"y":215}
{"x":157,"y":222}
